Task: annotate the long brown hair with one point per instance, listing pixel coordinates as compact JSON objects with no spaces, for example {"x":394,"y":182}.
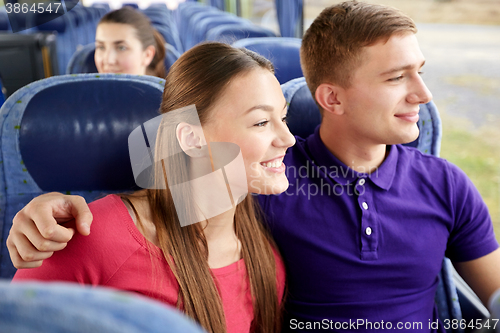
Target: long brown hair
{"x":199,"y":77}
{"x":146,"y":34}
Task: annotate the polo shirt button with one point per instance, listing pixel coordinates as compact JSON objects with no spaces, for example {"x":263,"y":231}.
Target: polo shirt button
{"x":361,"y":181}
{"x":368,"y":231}
{"x":365,"y":205}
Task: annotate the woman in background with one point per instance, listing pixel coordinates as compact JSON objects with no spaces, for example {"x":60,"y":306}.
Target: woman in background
{"x":127,"y":43}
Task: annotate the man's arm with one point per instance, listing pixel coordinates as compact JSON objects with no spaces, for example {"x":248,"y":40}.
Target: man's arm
{"x":482,"y":274}
{"x":36,"y":231}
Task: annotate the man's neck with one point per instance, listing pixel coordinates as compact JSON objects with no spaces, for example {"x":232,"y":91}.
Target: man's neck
{"x":357,"y":154}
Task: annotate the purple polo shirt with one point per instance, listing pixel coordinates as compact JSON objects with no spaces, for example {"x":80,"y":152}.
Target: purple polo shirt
{"x":370,"y":247}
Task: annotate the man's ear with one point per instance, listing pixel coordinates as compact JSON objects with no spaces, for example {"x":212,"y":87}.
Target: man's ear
{"x":327,"y":95}
{"x":191,"y":139}
{"x":148,"y":55}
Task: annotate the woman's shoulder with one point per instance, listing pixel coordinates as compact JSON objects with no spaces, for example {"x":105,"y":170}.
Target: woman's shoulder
{"x":109,"y":206}
{"x":115,"y":219}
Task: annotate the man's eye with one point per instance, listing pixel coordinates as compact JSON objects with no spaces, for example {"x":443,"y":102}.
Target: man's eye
{"x":122,"y":48}
{"x":262,"y":123}
{"x":394,"y":79}
{"x":99,"y":47}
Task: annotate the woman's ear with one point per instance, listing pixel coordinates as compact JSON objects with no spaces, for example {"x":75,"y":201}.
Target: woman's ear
{"x":328,"y":97}
{"x":191,"y":139}
{"x":148,"y":55}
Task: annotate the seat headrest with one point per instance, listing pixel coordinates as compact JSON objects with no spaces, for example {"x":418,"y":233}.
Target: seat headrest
{"x":284,"y":53}
{"x":82,"y":61}
{"x":229,"y":33}
{"x":303,"y":113}
{"x":82,"y":128}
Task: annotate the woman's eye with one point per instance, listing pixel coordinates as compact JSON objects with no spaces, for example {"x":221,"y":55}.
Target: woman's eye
{"x":122,"y":48}
{"x":284,"y":119}
{"x":100,"y":48}
{"x":261,"y":124}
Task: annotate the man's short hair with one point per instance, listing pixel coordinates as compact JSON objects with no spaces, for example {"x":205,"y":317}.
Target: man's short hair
{"x":331,"y":47}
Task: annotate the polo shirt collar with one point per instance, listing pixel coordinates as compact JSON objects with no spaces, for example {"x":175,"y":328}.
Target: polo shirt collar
{"x":342,"y":174}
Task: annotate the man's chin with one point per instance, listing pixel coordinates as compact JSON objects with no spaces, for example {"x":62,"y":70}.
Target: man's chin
{"x":404,"y":139}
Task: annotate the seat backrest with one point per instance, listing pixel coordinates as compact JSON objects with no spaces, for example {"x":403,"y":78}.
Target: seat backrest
{"x":204,"y":25}
{"x":219,"y":4}
{"x":169,"y":35}
{"x":70,"y":134}
{"x":303,"y":117}
{"x":131,"y":4}
{"x":83,"y":60}
{"x":283,"y":52}
{"x":230,"y":33}
{"x":65,"y":25}
{"x":25,"y":58}
{"x":184,"y":13}
{"x":2,"y":92}
{"x":171,"y":56}
{"x":4,"y":22}
{"x":193,"y":24}
{"x":56,"y":307}
{"x":103,"y":5}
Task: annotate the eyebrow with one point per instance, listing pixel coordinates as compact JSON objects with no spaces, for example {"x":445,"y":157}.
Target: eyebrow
{"x":401,"y":68}
{"x":117,"y":42}
{"x":264,"y":107}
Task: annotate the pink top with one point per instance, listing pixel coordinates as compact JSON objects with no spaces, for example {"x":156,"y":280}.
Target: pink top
{"x":117,"y":255}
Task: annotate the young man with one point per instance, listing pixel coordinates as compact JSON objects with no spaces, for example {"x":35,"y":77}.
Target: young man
{"x":364,"y":253}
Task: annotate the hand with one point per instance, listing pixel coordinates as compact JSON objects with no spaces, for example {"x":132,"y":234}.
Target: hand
{"x":36,"y":231}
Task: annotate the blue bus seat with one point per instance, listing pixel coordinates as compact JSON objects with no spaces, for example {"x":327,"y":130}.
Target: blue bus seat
{"x":82,"y":61}
{"x":283,"y":52}
{"x":303,"y":117}
{"x":184,"y":12}
{"x":69,"y":133}
{"x":169,"y":35}
{"x":4,"y":22}
{"x":158,"y":6}
{"x":162,"y":19}
{"x":194,"y":21}
{"x":102,"y":5}
{"x":66,"y":40}
{"x":3,"y":92}
{"x":67,"y":307}
{"x":131,"y":4}
{"x":204,"y":25}
{"x":219,"y":4}
{"x":171,"y":56}
{"x":230,"y":33}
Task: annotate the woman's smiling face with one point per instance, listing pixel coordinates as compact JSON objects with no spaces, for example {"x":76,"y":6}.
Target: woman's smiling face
{"x":251,"y":113}
{"x":118,"y":50}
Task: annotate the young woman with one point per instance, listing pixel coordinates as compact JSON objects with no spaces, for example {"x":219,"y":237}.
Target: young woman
{"x":127,"y":43}
{"x":225,"y":271}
